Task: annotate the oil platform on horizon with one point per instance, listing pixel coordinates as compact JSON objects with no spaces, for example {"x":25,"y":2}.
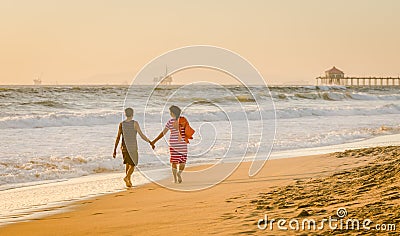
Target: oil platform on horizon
{"x":37,"y":81}
{"x":163,"y":80}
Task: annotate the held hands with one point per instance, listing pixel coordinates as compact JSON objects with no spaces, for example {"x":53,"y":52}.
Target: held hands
{"x":152,"y":144}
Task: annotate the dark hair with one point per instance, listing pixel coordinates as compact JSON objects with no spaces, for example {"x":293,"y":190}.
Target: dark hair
{"x":129,"y":112}
{"x":176,"y":111}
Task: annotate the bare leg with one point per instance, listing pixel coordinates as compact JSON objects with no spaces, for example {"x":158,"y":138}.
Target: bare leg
{"x":179,"y":174}
{"x":129,"y":171}
{"x":126,"y":175}
{"x":174,"y":171}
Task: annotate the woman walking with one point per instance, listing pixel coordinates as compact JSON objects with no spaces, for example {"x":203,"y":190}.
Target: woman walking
{"x":179,"y":137}
{"x":128,"y":130}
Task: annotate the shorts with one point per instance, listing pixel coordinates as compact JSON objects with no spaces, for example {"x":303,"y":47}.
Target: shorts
{"x":129,"y":157}
{"x":177,"y":157}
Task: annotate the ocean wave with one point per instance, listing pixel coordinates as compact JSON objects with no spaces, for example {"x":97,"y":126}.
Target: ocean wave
{"x":198,"y":115}
{"x":334,"y":137}
{"x":50,"y":168}
{"x":240,"y":98}
{"x":305,"y":95}
{"x":242,"y":94}
{"x":46,"y":103}
{"x":334,"y":96}
{"x":337,"y":111}
{"x":59,"y":120}
{"x":216,"y":94}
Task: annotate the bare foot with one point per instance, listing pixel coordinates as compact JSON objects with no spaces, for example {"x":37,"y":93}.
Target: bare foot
{"x":127,"y":182}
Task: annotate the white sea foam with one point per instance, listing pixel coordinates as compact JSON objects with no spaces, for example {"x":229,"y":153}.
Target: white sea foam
{"x":59,"y":119}
{"x":64,"y":132}
{"x":62,"y":119}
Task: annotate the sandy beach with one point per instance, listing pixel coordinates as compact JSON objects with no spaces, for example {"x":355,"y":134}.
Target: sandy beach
{"x":280,"y":118}
{"x":364,"y":181}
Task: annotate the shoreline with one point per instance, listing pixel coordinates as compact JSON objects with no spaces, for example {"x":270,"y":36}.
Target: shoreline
{"x":116,"y":186}
{"x":149,"y":202}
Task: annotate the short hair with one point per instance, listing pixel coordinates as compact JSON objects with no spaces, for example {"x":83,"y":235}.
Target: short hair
{"x":175,"y":110}
{"x":129,"y":112}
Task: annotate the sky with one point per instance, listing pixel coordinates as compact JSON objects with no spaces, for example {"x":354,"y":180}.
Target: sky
{"x":108,"y":42}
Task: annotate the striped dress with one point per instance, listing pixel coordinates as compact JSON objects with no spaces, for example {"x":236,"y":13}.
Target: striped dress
{"x":177,"y":149}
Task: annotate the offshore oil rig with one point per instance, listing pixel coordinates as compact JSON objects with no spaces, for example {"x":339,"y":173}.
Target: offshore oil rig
{"x":335,"y":76}
{"x":164,"y":79}
{"x":37,"y":81}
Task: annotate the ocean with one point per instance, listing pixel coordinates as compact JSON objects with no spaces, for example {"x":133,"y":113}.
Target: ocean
{"x":53,"y":134}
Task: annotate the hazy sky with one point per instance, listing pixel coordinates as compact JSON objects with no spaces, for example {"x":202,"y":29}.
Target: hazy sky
{"x":98,"y":41}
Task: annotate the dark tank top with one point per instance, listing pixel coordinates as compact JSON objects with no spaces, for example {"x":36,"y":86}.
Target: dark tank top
{"x":129,"y":133}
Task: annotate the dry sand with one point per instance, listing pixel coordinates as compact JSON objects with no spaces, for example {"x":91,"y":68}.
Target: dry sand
{"x":365,"y":182}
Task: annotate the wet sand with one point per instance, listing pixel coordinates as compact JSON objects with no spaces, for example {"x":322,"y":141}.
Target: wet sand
{"x":365,"y":182}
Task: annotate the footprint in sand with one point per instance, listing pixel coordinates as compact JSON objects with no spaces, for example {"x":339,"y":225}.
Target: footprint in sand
{"x":58,"y":218}
{"x":84,"y":203}
{"x":132,"y":210}
{"x":248,"y":232}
